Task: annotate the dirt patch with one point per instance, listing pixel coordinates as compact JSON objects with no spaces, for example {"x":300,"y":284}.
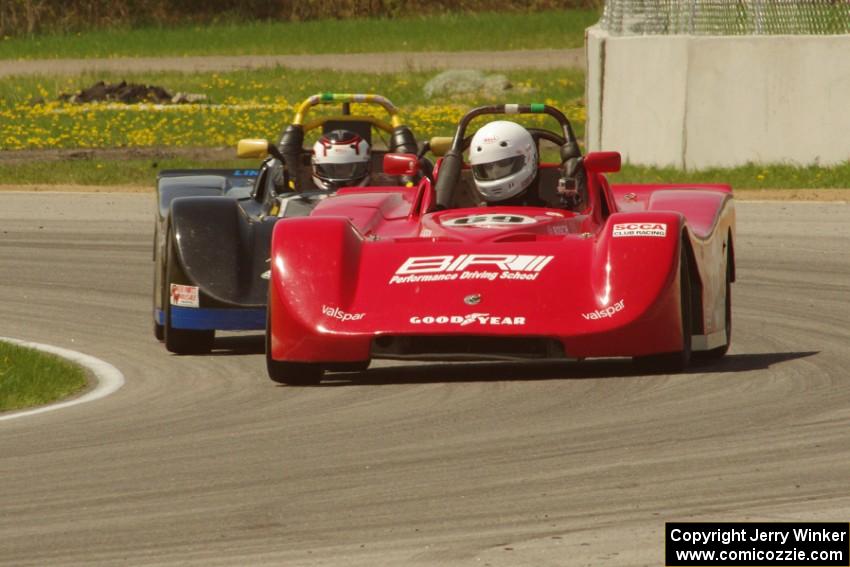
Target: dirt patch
{"x":128,"y":93}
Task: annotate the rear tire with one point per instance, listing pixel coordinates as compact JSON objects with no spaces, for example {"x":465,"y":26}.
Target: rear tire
{"x":290,"y":373}
{"x":180,"y":341}
{"x":720,"y":352}
{"x":158,"y":284}
{"x":675,"y":361}
{"x":187,"y":341}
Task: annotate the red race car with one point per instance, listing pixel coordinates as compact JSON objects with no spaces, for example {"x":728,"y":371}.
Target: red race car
{"x":437,"y":273}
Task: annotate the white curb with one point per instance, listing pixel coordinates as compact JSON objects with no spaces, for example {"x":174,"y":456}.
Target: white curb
{"x":109,"y":378}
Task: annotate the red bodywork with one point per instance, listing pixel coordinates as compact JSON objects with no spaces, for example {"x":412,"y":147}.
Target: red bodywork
{"x":375,"y":272}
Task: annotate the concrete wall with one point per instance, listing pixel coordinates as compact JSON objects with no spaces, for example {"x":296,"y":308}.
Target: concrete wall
{"x":697,"y":102}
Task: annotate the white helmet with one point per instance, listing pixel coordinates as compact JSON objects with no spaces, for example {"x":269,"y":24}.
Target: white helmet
{"x":341,"y":158}
{"x":503,"y":157}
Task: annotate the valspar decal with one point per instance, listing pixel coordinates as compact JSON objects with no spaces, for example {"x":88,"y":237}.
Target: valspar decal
{"x":609,"y":311}
{"x":337,"y":313}
{"x":470,"y":267}
{"x":490,"y":221}
{"x":484,"y":319}
{"x":640,"y":229}
{"x":184,"y":295}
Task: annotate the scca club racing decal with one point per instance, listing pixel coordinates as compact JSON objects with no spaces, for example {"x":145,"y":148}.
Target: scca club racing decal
{"x":470,"y":267}
{"x":484,"y":319}
{"x":337,"y":313}
{"x":609,"y":311}
{"x":489,"y":221}
{"x":640,"y":229}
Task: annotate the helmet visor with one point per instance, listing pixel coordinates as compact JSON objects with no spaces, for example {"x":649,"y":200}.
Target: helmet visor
{"x":498,"y":169}
{"x":342,"y":171}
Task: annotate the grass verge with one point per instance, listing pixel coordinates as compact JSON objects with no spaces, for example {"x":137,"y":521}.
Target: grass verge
{"x":448,"y":32}
{"x":142,"y":172}
{"x":31,"y":378}
{"x":268,"y":85}
{"x":105,"y":172}
{"x":260,"y":103}
{"x":250,"y":104}
{"x":748,"y":176}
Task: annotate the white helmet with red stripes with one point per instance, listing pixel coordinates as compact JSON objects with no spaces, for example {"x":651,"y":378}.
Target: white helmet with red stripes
{"x":341,"y":158}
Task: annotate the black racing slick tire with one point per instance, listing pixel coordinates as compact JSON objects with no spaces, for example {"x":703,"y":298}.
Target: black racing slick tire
{"x":180,"y":341}
{"x":676,"y":361}
{"x":289,"y":373}
{"x":158,"y":284}
{"x":294,"y":373}
{"x":720,"y":352}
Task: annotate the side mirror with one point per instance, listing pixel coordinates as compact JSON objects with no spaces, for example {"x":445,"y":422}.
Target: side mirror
{"x":256,"y":149}
{"x":602,"y":162}
{"x":440,"y":145}
{"x":401,"y":164}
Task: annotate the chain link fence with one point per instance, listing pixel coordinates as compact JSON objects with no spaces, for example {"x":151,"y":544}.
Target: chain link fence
{"x":726,"y":17}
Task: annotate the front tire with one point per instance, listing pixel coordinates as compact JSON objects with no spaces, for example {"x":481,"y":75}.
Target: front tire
{"x":289,"y":373}
{"x":294,"y":373}
{"x":180,"y":341}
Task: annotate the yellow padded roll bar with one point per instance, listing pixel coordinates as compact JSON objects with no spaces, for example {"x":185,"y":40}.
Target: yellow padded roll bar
{"x":330,"y":98}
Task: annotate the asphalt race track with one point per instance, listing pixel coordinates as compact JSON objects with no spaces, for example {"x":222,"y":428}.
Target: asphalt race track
{"x":201,"y":460}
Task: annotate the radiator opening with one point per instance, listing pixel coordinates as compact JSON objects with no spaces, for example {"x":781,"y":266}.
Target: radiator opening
{"x":461,"y":347}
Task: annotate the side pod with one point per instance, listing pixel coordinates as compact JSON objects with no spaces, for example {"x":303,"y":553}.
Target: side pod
{"x":315,"y":267}
{"x":220,"y":249}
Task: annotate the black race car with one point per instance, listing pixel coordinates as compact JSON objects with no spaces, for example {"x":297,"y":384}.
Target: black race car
{"x":213,"y":227}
